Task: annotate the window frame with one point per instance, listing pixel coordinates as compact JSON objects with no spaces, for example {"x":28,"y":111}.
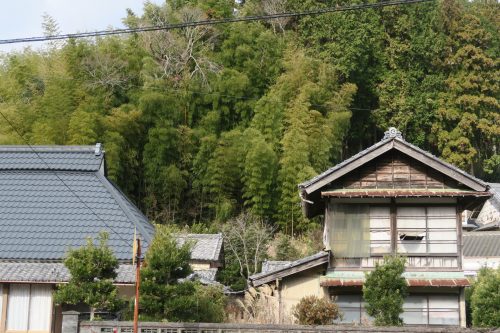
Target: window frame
{"x":7,"y":289}
{"x":393,"y":207}
{"x":362,"y":315}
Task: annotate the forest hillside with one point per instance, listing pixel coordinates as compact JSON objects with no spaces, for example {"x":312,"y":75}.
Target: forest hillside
{"x":202,"y":123}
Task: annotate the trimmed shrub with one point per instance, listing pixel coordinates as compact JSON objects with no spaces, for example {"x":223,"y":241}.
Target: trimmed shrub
{"x":312,"y":310}
{"x":385,"y":290}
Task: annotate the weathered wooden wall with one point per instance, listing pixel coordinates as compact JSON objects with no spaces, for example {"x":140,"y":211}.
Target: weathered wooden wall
{"x":394,"y":170}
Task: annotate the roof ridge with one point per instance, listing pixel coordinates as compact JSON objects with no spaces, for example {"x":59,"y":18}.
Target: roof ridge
{"x":47,"y":148}
{"x":344,"y":162}
{"x":55,"y":157}
{"x":200,"y":235}
{"x":443,"y":162}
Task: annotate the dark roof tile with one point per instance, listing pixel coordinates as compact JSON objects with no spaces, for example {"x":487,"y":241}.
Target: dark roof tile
{"x":41,"y":218}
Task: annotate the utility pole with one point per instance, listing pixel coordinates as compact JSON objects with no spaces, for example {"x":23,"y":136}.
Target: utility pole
{"x":137,"y":285}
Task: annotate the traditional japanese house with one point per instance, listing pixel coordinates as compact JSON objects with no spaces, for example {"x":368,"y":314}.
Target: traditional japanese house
{"x":393,"y":198}
{"x":51,"y":199}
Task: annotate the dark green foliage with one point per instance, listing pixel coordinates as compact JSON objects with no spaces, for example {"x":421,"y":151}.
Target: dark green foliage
{"x":285,"y":249}
{"x":312,"y":310}
{"x":384,"y":291}
{"x":164,"y":264}
{"x":92,"y":270}
{"x":164,"y":296}
{"x":202,"y":124}
{"x":485,"y":298}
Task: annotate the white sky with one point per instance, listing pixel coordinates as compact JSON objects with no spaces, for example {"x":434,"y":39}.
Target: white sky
{"x":23,"y":18}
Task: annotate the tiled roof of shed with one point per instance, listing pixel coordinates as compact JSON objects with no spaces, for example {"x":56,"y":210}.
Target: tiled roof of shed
{"x":206,"y":246}
{"x":286,"y":268}
{"x":41,"y":218}
{"x":274,"y":265}
{"x":481,"y":244}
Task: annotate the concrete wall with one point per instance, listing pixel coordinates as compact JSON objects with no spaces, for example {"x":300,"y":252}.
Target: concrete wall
{"x":96,"y":326}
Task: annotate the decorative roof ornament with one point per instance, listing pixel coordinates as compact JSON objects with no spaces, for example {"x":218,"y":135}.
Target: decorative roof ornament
{"x":98,"y":149}
{"x":392,"y":132}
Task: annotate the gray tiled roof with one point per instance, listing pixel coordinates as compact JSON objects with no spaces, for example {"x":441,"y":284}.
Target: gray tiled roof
{"x":481,"y":244}
{"x":40,"y":218}
{"x":343,"y":163}
{"x":206,"y":246}
{"x":44,"y":272}
{"x":75,"y":158}
{"x":205,"y":276}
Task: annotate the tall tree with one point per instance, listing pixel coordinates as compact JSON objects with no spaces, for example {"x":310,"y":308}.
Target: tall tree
{"x":467,"y":132}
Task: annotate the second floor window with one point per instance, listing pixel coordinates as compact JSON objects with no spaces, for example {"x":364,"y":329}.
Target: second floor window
{"x":426,"y":230}
{"x":362,"y":230}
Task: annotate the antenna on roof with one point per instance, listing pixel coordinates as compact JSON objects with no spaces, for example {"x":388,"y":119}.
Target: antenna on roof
{"x":98,"y":149}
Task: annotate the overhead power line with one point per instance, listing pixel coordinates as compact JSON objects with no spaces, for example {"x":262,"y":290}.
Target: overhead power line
{"x":214,"y":22}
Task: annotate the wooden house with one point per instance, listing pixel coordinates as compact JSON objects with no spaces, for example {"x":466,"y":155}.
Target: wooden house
{"x":393,"y":198}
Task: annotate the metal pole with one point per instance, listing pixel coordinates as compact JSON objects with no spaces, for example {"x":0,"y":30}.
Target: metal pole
{"x":137,"y":285}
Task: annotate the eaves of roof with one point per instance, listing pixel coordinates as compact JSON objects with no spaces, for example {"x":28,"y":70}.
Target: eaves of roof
{"x":45,"y":272}
{"x":401,"y":192}
{"x":413,"y":279}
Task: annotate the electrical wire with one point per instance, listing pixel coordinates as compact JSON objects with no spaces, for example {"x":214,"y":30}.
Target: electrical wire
{"x":61,"y":180}
{"x":213,"y":22}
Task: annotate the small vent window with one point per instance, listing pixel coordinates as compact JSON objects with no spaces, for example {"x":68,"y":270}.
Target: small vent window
{"x":411,"y":236}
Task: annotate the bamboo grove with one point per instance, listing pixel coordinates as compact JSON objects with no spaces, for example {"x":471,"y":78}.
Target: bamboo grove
{"x":202,"y":123}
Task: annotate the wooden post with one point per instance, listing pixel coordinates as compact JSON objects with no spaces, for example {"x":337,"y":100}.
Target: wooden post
{"x":137,"y":285}
{"x":394,"y":227}
{"x":459,"y":235}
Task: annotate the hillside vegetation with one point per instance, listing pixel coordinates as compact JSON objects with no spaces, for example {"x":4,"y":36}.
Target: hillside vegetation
{"x":202,"y":123}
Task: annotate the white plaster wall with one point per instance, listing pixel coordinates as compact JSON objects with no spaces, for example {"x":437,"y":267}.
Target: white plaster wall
{"x":293,"y":288}
{"x":471,"y":265}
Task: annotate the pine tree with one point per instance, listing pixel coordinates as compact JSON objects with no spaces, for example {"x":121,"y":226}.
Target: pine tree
{"x":92,"y":270}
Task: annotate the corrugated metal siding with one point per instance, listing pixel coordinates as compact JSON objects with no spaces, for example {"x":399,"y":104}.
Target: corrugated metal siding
{"x":481,"y":244}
